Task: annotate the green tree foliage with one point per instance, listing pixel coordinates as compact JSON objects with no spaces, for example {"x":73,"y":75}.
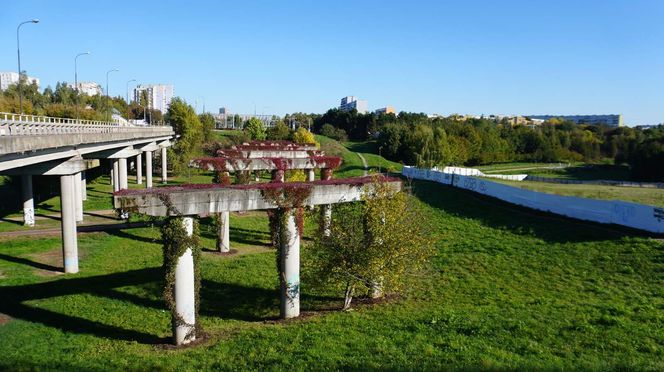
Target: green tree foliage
{"x":373,"y":246}
{"x":187,"y":125}
{"x":303,"y":136}
{"x":279,"y":131}
{"x":207,"y":125}
{"x":328,"y":130}
{"x":255,"y":129}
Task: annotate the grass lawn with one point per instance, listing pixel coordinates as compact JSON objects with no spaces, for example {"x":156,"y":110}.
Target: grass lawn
{"x":509,"y":289}
{"x":642,"y":195}
{"x":586,"y":172}
{"x":352,"y":165}
{"x":516,"y":167}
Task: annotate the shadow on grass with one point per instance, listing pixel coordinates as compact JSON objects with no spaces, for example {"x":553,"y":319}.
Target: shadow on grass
{"x":25,"y":261}
{"x":243,"y":236}
{"x":370,"y":147}
{"x":520,"y":220}
{"x":218,"y":299}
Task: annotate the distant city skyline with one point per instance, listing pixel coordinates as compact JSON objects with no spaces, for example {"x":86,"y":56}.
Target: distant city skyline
{"x":519,"y":57}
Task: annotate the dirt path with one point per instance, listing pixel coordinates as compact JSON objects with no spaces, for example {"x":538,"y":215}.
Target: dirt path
{"x":82,"y":229}
{"x":364,"y":162}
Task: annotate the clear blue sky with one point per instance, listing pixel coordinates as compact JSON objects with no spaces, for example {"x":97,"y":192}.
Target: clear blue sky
{"x":474,"y":57}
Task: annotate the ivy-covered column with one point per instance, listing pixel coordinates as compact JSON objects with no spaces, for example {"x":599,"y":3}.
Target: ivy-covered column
{"x":311,"y":175}
{"x":289,"y":263}
{"x":223,"y":238}
{"x":326,"y":174}
{"x":278,"y":175}
{"x":181,"y":256}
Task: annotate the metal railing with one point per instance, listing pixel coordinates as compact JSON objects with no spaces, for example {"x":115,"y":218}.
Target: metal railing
{"x":22,"y":125}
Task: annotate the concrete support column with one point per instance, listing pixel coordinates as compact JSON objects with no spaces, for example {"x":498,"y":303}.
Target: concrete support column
{"x":257,"y":176}
{"x":278,"y":175}
{"x":326,"y":174}
{"x":185,"y":300}
{"x":78,"y":197}
{"x":28,"y":201}
{"x":148,"y":169}
{"x":290,"y":268}
{"x":139,"y":169}
{"x":116,"y":178}
{"x":311,"y":175}
{"x":223,"y":240}
{"x":68,"y":216}
{"x":164,"y":165}
{"x":84,"y":186}
{"x":122,"y":170}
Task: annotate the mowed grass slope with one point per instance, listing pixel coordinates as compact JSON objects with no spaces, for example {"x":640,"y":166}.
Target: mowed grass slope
{"x":508,"y":289}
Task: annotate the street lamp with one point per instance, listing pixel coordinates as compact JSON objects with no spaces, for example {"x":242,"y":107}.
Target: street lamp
{"x":108,"y":107}
{"x":78,"y":93}
{"x":18,"y":52}
{"x":132,"y":80}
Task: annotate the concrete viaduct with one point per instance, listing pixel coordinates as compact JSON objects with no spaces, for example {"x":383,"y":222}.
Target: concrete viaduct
{"x":46,"y":146}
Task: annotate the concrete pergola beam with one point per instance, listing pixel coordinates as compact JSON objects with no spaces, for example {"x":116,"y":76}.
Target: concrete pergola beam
{"x":268,"y":153}
{"x":220,"y":164}
{"x":207,"y":199}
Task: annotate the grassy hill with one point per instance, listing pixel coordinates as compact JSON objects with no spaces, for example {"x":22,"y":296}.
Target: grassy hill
{"x":508,"y":289}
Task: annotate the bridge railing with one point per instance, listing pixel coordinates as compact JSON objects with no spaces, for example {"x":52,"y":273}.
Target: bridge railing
{"x":21,"y":125}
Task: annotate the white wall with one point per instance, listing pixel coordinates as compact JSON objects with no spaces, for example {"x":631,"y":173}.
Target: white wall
{"x":638,"y":216}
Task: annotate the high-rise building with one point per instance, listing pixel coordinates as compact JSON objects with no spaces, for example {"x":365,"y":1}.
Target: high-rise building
{"x":158,"y":96}
{"x":609,"y":120}
{"x":386,"y":110}
{"x":8,"y":78}
{"x":88,"y":87}
{"x":351,"y":102}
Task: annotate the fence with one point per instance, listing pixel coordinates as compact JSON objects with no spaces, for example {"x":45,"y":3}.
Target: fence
{"x":638,"y":216}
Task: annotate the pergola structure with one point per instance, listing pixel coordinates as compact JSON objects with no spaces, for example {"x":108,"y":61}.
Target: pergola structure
{"x":187,"y":202}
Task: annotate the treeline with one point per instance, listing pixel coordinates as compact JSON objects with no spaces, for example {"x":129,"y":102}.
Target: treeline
{"x":65,"y":102}
{"x":415,"y":139}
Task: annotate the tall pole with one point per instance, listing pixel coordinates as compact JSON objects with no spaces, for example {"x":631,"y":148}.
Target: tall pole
{"x":78,"y":93}
{"x":108,"y":107}
{"x":18,"y":52}
{"x":128,"y":97}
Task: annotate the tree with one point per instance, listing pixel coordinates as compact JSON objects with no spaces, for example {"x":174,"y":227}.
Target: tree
{"x":373,"y":246}
{"x":255,"y":129}
{"x":186,"y":124}
{"x":303,"y":136}
{"x":279,"y":131}
{"x":207,"y":123}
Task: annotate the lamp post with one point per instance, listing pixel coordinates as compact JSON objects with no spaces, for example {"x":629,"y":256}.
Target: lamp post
{"x":132,"y":80}
{"x":78,"y":93}
{"x":108,"y":107}
{"x":18,"y":52}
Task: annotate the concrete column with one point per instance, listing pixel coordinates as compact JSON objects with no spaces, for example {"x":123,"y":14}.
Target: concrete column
{"x":78,"y":197}
{"x":28,"y":201}
{"x":311,"y":175}
{"x":257,"y":176}
{"x":116,"y":178}
{"x":84,"y":186}
{"x":139,"y":169}
{"x":68,"y":216}
{"x":122,"y":170}
{"x":185,"y":300}
{"x":290,"y":268}
{"x":326,"y":174}
{"x":223,"y":240}
{"x":148,"y":169}
{"x":164,"y":165}
{"x":278,"y":175}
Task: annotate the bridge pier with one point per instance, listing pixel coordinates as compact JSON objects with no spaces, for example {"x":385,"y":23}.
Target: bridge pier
{"x":78,"y":197}
{"x":84,"y":187}
{"x":28,"y":200}
{"x":69,"y":242}
{"x":116,"y":175}
{"x":289,"y":275}
{"x":139,"y":168}
{"x":148,"y":169}
{"x":122,"y":168}
{"x":164,"y":165}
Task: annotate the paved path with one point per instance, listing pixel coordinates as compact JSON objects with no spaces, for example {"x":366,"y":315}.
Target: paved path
{"x":364,"y":162}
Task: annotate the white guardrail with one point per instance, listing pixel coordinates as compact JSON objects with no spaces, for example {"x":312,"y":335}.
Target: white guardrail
{"x":638,"y":216}
{"x":22,"y":125}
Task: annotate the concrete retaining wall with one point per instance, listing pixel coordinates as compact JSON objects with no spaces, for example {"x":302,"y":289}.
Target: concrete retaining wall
{"x":638,"y":216}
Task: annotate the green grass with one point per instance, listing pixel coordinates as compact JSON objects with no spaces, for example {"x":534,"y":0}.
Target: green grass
{"x":650,"y":196}
{"x":516,"y":167}
{"x":352,"y":165}
{"x":509,"y":289}
{"x":587,"y":172}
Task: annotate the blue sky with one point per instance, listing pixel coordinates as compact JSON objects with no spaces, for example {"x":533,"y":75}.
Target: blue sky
{"x":469,"y":57}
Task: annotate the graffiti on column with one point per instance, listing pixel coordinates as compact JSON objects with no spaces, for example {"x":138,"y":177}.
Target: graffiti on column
{"x":658,"y":213}
{"x":29,"y":216}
